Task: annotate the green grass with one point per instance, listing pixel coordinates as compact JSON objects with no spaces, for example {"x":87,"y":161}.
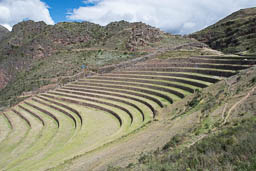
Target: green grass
{"x":15,"y":138}
{"x":183,"y":53}
{"x":134,"y":111}
{"x":159,"y":98}
{"x":31,"y":138}
{"x":5,"y":128}
{"x":63,"y":134}
{"x":88,"y":138}
{"x":153,"y":104}
{"x":174,"y":97}
{"x":123,"y":115}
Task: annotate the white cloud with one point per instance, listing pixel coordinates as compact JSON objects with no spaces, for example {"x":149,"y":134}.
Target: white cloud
{"x":176,"y":16}
{"x":14,"y":11}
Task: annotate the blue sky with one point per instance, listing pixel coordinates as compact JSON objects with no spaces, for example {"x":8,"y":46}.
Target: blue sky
{"x":59,"y":9}
{"x":173,"y":16}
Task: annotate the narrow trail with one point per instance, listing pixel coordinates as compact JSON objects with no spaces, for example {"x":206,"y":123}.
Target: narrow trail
{"x":226,"y":104}
{"x":223,"y":117}
{"x":223,"y":112}
{"x":236,"y":104}
{"x":198,"y":139}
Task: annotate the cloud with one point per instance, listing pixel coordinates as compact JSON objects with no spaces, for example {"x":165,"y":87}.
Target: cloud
{"x":14,"y":11}
{"x":175,"y":16}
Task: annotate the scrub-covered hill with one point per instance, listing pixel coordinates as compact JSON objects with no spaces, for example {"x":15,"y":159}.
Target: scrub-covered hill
{"x":233,"y":34}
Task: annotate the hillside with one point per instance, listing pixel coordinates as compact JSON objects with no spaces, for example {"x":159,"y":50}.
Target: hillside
{"x":147,"y":100}
{"x":34,"y":54}
{"x":233,"y":34}
{"x":3,"y":32}
{"x":141,"y":106}
{"x":213,"y":129}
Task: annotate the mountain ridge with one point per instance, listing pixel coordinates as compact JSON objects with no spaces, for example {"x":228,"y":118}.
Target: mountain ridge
{"x":235,"y":33}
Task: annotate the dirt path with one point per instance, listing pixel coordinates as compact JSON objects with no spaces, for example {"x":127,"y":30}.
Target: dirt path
{"x":223,"y":115}
{"x":196,"y":140}
{"x":236,"y":105}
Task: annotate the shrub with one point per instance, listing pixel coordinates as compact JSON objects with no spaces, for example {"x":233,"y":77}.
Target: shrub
{"x":253,"y":81}
{"x":196,"y":99}
{"x":176,"y":140}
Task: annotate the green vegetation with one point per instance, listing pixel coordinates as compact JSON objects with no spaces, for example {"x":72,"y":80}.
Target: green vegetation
{"x":183,"y":53}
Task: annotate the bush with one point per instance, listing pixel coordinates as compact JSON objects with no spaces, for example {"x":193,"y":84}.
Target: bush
{"x":253,"y":81}
{"x":196,"y":99}
{"x":176,"y":140}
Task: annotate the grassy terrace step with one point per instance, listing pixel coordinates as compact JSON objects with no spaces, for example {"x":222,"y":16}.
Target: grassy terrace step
{"x":45,"y":112}
{"x":64,"y":106}
{"x":56,"y":108}
{"x":219,"y":73}
{"x":99,"y":128}
{"x":46,"y":136}
{"x":153,"y":82}
{"x":169,"y":74}
{"x":33,"y":114}
{"x":15,"y":138}
{"x":8,"y":120}
{"x":63,"y":135}
{"x":164,"y":87}
{"x":5,"y":127}
{"x":132,"y":93}
{"x":31,"y":138}
{"x":75,"y":92}
{"x":22,"y":117}
{"x":115,"y":95}
{"x":193,"y":65}
{"x":87,"y":105}
{"x":128,"y":88}
{"x":212,"y":61}
{"x":96,"y":101}
{"x":204,"y":61}
{"x":226,"y":57}
{"x":134,"y":120}
{"x":161,"y":78}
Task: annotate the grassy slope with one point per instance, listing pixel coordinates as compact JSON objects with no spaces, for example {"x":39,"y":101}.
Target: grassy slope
{"x":233,"y":34}
{"x":223,"y":138}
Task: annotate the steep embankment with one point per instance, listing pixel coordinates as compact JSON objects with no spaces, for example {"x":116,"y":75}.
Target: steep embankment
{"x":233,"y":34}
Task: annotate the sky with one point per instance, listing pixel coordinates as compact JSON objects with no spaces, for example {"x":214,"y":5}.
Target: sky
{"x":173,"y":16}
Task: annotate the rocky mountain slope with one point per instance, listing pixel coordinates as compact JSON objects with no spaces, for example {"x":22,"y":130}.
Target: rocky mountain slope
{"x":34,"y":54}
{"x":233,"y":34}
{"x":3,"y":32}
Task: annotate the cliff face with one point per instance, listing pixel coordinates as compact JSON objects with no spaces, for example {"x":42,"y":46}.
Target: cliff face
{"x":3,"y":32}
{"x":233,"y":34}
